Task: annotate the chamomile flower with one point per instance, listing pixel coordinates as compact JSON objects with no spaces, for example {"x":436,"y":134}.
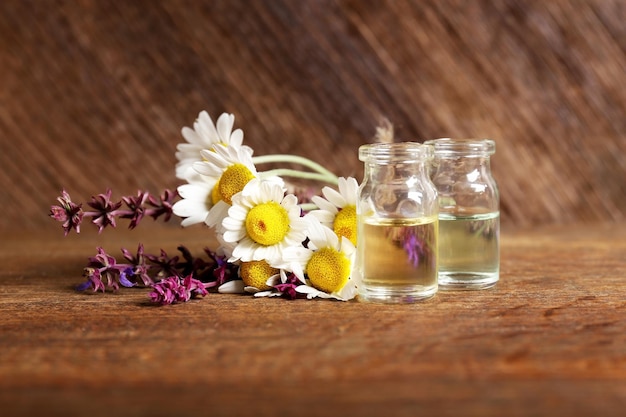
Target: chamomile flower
{"x":325,"y":265}
{"x":205,"y":135}
{"x":262,"y":222}
{"x":229,"y":169}
{"x":338,"y":209}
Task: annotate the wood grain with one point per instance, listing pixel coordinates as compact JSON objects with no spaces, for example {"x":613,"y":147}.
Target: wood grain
{"x":95,"y":92}
{"x":550,"y":339}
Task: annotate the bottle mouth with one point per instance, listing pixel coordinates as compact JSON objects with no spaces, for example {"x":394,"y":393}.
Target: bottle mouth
{"x":449,"y":147}
{"x":397,"y":152}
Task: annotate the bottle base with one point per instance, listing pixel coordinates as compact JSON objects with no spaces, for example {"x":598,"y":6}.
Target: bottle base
{"x":467,"y":281}
{"x":396,"y":295}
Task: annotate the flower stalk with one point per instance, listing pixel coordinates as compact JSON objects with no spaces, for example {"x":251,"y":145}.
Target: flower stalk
{"x":300,"y":160}
{"x":105,"y":211}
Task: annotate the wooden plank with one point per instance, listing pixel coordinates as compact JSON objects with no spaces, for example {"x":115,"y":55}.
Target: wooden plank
{"x":550,"y":338}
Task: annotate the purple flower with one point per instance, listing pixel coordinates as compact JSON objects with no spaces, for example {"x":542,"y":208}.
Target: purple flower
{"x":191,"y":265}
{"x":105,"y":210}
{"x":139,"y":267}
{"x":102,"y":271}
{"x":164,"y":291}
{"x":94,"y":281}
{"x":69,"y":213}
{"x":165,"y":266}
{"x":136,"y":205}
{"x":222,"y":271}
{"x":124,"y":274}
{"x":163,"y":206}
{"x":288,"y":288}
{"x":175,"y":289}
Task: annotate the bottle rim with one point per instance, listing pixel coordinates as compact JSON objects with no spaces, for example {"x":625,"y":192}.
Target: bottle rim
{"x":395,"y":152}
{"x":462,"y":147}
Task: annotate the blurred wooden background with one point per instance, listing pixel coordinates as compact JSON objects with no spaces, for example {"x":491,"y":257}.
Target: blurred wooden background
{"x":94,"y":92}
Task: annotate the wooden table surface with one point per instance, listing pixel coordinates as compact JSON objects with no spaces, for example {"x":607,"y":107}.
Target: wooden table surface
{"x":550,"y":339}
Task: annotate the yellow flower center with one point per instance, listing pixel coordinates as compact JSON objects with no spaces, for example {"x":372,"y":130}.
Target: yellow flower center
{"x":328,"y":270}
{"x":215,"y":194}
{"x":256,"y":273}
{"x":232,"y":181}
{"x":267,"y":223}
{"x":345,"y":223}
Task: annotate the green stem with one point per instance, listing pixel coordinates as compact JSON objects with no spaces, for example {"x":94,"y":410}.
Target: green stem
{"x":264,"y":159}
{"x":308,"y":206}
{"x":331,"y":179}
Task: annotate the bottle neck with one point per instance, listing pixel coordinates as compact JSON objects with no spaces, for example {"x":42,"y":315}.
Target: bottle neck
{"x":395,"y":171}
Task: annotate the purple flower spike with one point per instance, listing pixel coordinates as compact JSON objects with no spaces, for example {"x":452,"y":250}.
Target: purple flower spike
{"x":69,"y":213}
{"x":105,"y":211}
{"x":174,"y":290}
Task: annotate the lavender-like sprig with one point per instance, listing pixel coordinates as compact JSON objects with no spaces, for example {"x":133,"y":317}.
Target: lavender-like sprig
{"x":171,"y":279}
{"x":105,"y":211}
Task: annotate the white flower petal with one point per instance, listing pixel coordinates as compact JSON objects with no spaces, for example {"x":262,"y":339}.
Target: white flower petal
{"x":334,"y":197}
{"x":273,"y":280}
{"x":231,"y":287}
{"x":194,"y":192}
{"x":236,"y":138}
{"x":323,"y":216}
{"x":269,"y":293}
{"x":348,"y":292}
{"x":250,"y":289}
{"x":233,"y":224}
{"x":225,"y":126}
{"x":238,"y":213}
{"x":311,"y":292}
{"x":217,"y":213}
{"x":233,"y":236}
{"x":191,"y":220}
{"x":324,"y":204}
{"x":349,"y":189}
{"x":208,"y":168}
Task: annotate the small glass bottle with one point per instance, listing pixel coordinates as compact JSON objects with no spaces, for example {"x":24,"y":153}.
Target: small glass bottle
{"x":397,"y":224}
{"x":469,"y":216}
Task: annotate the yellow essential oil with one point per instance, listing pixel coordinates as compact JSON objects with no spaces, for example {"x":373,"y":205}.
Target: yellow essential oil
{"x":399,"y":259}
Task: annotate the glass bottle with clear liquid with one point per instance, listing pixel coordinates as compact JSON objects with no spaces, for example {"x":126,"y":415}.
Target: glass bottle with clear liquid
{"x":469,"y":216}
{"x":397,"y":224}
